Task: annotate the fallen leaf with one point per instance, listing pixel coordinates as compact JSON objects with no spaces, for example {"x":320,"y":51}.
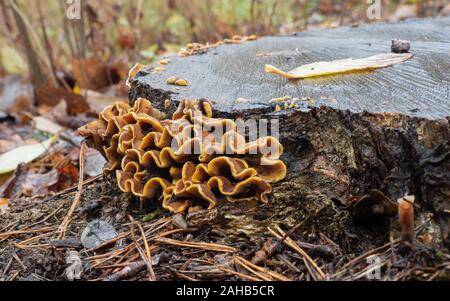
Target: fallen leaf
{"x":95,"y":74}
{"x":24,"y":154}
{"x":11,"y":88}
{"x":36,"y":183}
{"x":342,"y":66}
{"x":46,"y":125}
{"x":50,"y":96}
{"x":94,"y":163}
{"x":9,"y":187}
{"x":69,"y":242}
{"x":96,"y":232}
{"x":68,"y":176}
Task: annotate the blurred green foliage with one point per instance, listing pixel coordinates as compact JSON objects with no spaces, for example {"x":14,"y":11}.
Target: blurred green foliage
{"x":141,"y":29}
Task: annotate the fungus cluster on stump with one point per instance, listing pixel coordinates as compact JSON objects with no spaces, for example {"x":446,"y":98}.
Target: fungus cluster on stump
{"x":181,"y":159}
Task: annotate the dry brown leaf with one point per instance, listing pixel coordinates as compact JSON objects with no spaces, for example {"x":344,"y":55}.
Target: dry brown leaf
{"x":95,"y":74}
{"x":342,"y":66}
{"x":49,"y":96}
{"x":24,"y":154}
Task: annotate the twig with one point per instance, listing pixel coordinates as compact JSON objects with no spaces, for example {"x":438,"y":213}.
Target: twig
{"x":14,"y":255}
{"x":124,"y":260}
{"x":29,"y":247}
{"x":147,"y":257}
{"x":367,"y":254}
{"x":46,"y":218}
{"x":152,"y":275}
{"x":116,"y":265}
{"x":300,"y":251}
{"x":177,"y":231}
{"x":292,"y":230}
{"x":6,"y":235}
{"x":109,"y":242}
{"x":185,"y":277}
{"x":127,"y":272}
{"x":240,"y":275}
{"x":28,"y":240}
{"x":10,"y":226}
{"x":74,"y":188}
{"x":111,"y":256}
{"x":196,"y":245}
{"x":245,"y":266}
{"x":272,"y":274}
{"x":66,"y":221}
{"x":383,"y":248}
{"x":13,"y":276}
{"x":8,"y":265}
{"x":289,"y":264}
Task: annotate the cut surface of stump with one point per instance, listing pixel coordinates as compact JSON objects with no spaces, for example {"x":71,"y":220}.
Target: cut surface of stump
{"x":365,"y":139}
{"x":418,"y":87}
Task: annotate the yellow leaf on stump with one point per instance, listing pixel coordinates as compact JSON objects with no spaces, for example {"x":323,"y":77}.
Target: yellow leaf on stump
{"x":342,"y":66}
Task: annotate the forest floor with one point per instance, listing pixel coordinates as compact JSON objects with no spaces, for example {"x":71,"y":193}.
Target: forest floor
{"x":103,"y":241}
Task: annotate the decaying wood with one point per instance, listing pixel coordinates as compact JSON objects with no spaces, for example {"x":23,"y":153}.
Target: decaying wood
{"x":347,"y":136}
{"x":66,"y":221}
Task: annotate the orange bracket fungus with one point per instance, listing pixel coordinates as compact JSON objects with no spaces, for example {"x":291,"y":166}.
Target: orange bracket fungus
{"x":190,"y":161}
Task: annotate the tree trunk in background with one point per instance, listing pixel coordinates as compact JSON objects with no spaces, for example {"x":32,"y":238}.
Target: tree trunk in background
{"x":37,"y":76}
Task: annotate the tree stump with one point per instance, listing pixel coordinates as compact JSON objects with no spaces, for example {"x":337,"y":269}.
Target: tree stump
{"x":357,"y":140}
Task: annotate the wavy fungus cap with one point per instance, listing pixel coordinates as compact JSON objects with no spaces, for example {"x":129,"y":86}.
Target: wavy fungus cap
{"x":182,"y":160}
